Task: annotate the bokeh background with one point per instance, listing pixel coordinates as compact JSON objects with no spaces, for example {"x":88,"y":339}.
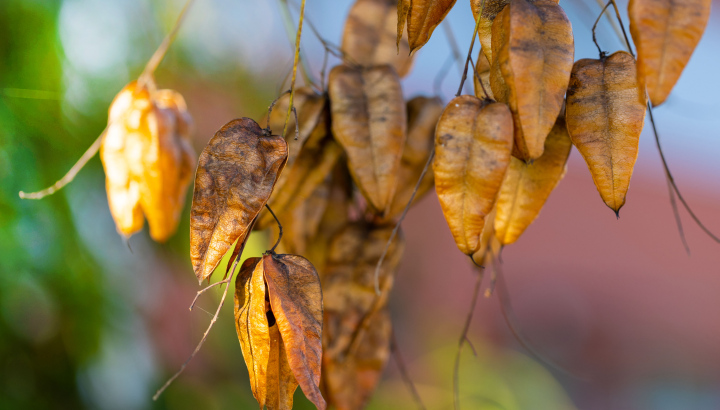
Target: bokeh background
{"x":88,"y":321}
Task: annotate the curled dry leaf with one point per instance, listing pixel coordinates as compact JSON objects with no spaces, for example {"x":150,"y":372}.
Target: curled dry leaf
{"x":148,"y":159}
{"x":665,"y":33}
{"x":353,"y":314}
{"x":605,"y":115}
{"x":489,"y":10}
{"x":278,"y":317}
{"x":423,"y":114}
{"x":234,"y":179}
{"x":527,"y":186}
{"x":421,"y":17}
{"x":472,"y":152}
{"x":369,"y":121}
{"x":369,"y":38}
{"x":532,"y":48}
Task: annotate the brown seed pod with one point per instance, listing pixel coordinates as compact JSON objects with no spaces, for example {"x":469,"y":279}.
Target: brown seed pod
{"x":421,"y":16}
{"x":665,"y":33}
{"x":278,"y":317}
{"x":356,"y":338}
{"x":309,"y":171}
{"x":528,"y":186}
{"x":490,"y":9}
{"x":423,"y":115}
{"x":472,"y":152}
{"x":235,"y":177}
{"x":369,"y":121}
{"x":532,"y":48}
{"x":605,"y":114}
{"x":369,"y":38}
{"x":148,"y":160}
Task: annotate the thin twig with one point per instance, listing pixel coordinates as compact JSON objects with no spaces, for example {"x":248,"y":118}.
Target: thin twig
{"x":201,"y":291}
{"x":594,"y":27}
{"x":70,"y":174}
{"x":404,"y":373}
{"x":480,"y":81}
{"x":205,"y":335}
{"x":464,"y":338}
{"x":159,"y":54}
{"x":676,"y":213}
{"x":295,"y":64}
{"x":272,"y":250}
{"x":399,"y":222}
{"x":671,"y":180}
{"x":472,"y":44}
{"x":289,"y":29}
{"x":622,"y":27}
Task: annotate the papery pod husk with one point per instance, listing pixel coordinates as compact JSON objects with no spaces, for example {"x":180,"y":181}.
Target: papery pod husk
{"x":421,"y":17}
{"x":369,"y":121}
{"x":472,"y":152}
{"x":369,"y":37}
{"x":533,"y":49}
{"x":335,"y":217}
{"x":490,"y":9}
{"x":527,"y":186}
{"x":311,"y":168}
{"x":482,"y":68}
{"x":356,"y":338}
{"x":665,"y":33}
{"x":278,"y":317}
{"x":235,"y":177}
{"x":148,"y":159}
{"x":301,"y":224}
{"x":423,"y":114}
{"x":349,"y":384}
{"x":605,"y":115}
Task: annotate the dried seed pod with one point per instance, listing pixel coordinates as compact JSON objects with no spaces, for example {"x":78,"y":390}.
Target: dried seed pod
{"x":148,"y":159}
{"x":423,"y":115}
{"x":472,"y":152}
{"x":421,"y":16}
{"x":490,"y":10}
{"x":665,"y":33}
{"x":369,"y":121}
{"x":278,"y":317}
{"x":309,"y":170}
{"x":533,"y":47}
{"x":356,"y":339}
{"x":235,"y":177}
{"x":605,"y":114}
{"x":527,"y":186}
{"x":369,"y":38}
